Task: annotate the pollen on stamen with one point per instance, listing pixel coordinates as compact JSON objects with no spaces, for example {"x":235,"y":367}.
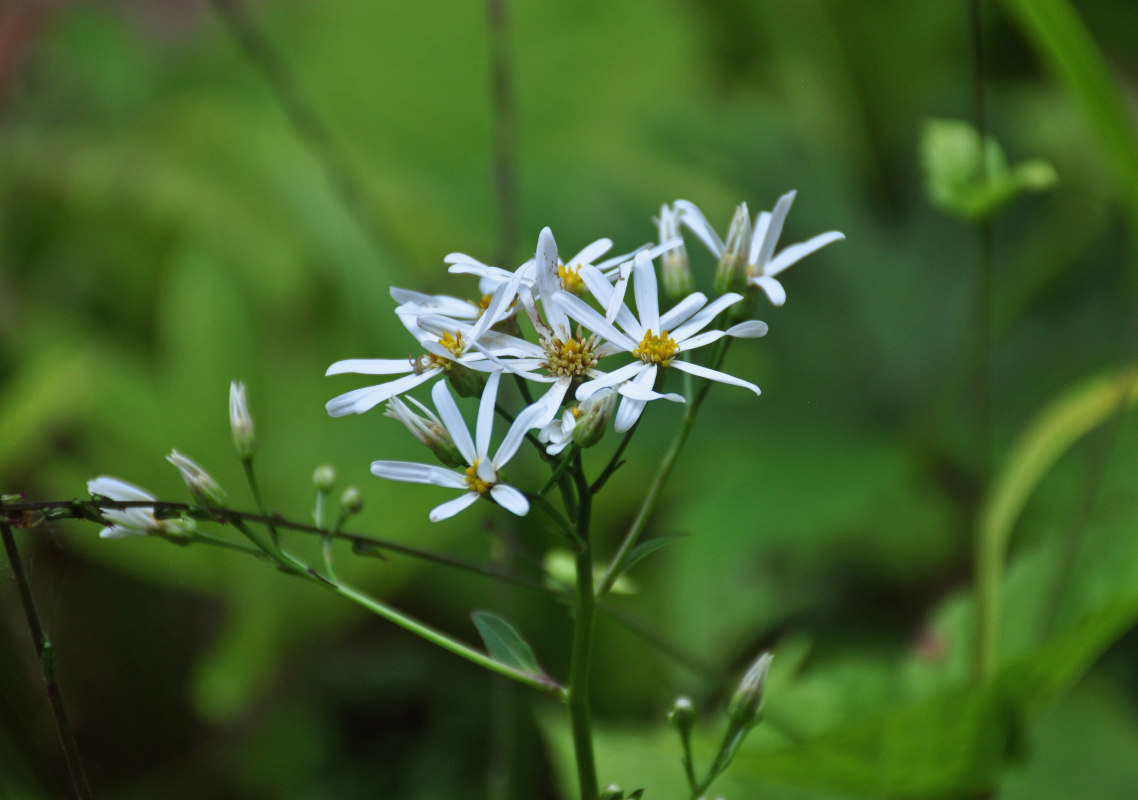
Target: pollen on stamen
{"x":570,"y":278}
{"x":656,"y":349}
{"x":575,"y":357}
{"x":475,"y":483}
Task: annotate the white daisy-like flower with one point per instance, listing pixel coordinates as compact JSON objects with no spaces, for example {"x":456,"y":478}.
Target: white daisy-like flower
{"x":491,"y":277}
{"x":453,"y":345}
{"x":654,"y":339}
{"x":762,"y":264}
{"x":481,"y":476}
{"x":137,"y":521}
{"x":561,"y":357}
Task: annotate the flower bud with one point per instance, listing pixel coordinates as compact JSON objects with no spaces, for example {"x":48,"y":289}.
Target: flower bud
{"x":748,"y":698}
{"x":729,"y":274}
{"x":682,"y":715}
{"x":675,"y":266}
{"x":593,"y":417}
{"x":324,"y":478}
{"x":428,"y":429}
{"x":351,"y":501}
{"x":614,"y":791}
{"x":466,"y":382}
{"x":201,"y":485}
{"x":240,"y":423}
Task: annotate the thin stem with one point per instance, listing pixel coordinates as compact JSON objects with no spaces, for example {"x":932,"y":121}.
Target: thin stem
{"x":562,"y":465}
{"x":579,"y":669}
{"x":310,"y":128}
{"x":988,"y":566}
{"x":505,"y":130}
{"x":45,"y":654}
{"x":542,"y":683}
{"x":251,"y":479}
{"x":662,"y":472}
{"x":76,"y":509}
{"x":614,"y":462}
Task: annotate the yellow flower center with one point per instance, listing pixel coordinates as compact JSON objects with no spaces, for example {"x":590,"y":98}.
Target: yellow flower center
{"x":656,"y":349}
{"x":570,"y":278}
{"x":452,"y":343}
{"x":475,"y":483}
{"x":574,"y":358}
{"x":484,"y":302}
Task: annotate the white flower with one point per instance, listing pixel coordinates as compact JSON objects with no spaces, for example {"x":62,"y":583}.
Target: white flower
{"x":136,"y":521}
{"x":648,"y":339}
{"x":481,"y":474}
{"x":200,"y":483}
{"x":454,"y":346}
{"x":427,"y":428}
{"x":240,"y":422}
{"x":762,"y":264}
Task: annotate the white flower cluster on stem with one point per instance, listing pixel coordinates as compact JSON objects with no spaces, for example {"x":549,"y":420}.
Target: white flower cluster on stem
{"x":585,"y":335}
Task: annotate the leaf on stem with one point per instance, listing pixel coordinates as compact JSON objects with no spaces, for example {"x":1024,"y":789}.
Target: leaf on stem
{"x":505,"y":644}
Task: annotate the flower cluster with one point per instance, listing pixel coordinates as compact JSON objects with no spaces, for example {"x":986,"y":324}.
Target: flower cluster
{"x":587,"y":344}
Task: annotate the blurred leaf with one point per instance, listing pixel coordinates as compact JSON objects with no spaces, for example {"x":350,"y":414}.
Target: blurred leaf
{"x":504,"y":643}
{"x":974,"y":185}
{"x":1060,"y":35}
{"x":646,"y":548}
{"x":1047,"y":437}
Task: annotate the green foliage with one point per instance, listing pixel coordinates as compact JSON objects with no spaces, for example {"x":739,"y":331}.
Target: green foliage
{"x":504,"y":643}
{"x":971,"y":182}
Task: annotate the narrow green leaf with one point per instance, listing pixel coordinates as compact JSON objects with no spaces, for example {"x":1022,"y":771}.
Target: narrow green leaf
{"x":1049,"y":435}
{"x":645,"y":548}
{"x":1062,"y":39}
{"x":504,"y":643}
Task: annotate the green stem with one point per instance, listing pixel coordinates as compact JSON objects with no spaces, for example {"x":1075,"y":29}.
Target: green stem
{"x":542,"y":683}
{"x":579,"y":669}
{"x":614,"y":462}
{"x":662,"y":472}
{"x":45,"y":652}
{"x":251,"y":479}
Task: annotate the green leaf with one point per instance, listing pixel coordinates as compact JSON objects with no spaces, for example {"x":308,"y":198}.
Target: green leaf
{"x":646,"y":548}
{"x":1049,"y":435}
{"x":504,"y":643}
{"x":972,"y":183}
{"x":1061,"y":37}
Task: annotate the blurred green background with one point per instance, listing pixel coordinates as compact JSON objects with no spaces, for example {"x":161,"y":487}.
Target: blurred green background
{"x":165,"y":229}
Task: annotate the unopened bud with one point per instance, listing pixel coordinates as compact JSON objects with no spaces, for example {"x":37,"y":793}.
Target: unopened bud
{"x":614,"y":791}
{"x":244,"y":439}
{"x":675,"y":266}
{"x":729,"y":274}
{"x":748,"y":698}
{"x":682,"y":715}
{"x":428,"y":429}
{"x":324,"y":478}
{"x":466,"y":381}
{"x":201,"y":485}
{"x":351,"y":501}
{"x":593,"y":417}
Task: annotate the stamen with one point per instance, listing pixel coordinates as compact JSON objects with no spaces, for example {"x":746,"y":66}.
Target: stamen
{"x":475,"y":483}
{"x":570,"y":278}
{"x":656,"y":349}
{"x":574,"y":358}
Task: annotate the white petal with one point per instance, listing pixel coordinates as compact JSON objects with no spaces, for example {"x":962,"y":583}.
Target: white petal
{"x":361,"y":400}
{"x":758,"y":236}
{"x":699,"y":340}
{"x":705,"y":316}
{"x":778,"y":217}
{"x":682,"y":311}
{"x":693,"y":218}
{"x":485,"y":425}
{"x":370,"y":366}
{"x":537,"y":415}
{"x":751,"y":329}
{"x":455,"y":424}
{"x":797,"y":252}
{"x":591,"y":252}
{"x":451,"y":507}
{"x":627,"y":413}
{"x":587,"y":316}
{"x":116,"y":489}
{"x":413,"y":472}
{"x":647,"y":296}
{"x":772,"y":287}
{"x":714,"y":375}
{"x":510,"y":499}
{"x":627,"y":372}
